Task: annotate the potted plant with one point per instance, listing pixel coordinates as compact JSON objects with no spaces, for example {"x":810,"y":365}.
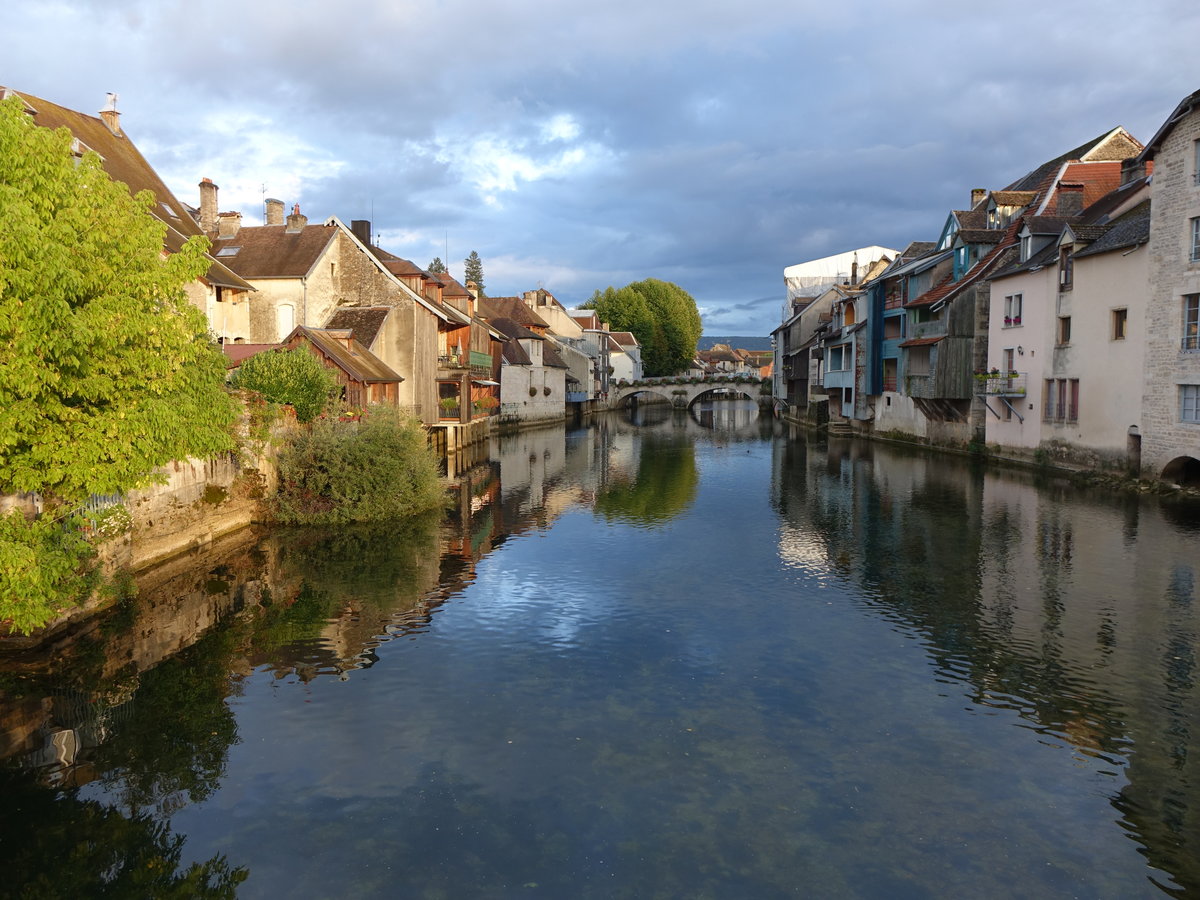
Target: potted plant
{"x":546,"y":390}
{"x":532,"y":391}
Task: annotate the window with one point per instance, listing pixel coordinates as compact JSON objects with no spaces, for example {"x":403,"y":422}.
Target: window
{"x":1189,"y":403}
{"x":1191,"y":321}
{"x":849,"y":317}
{"x":1062,"y":400}
{"x":285,"y":319}
{"x":1120,"y":324}
{"x":1196,"y":162}
{"x":1064,"y":330}
{"x":1195,"y":254}
{"x":1026,"y":247}
{"x":1012,"y":310}
{"x":836,"y":358}
{"x":1066,"y":268}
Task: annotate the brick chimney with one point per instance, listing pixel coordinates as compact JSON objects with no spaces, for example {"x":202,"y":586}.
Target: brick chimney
{"x":1070,"y":198}
{"x":977,"y":195}
{"x":228,"y":224}
{"x":1132,"y":170}
{"x":296,"y":221}
{"x":110,"y":116}
{"x":208,"y":206}
{"x":361,"y":229}
{"x":274,"y":211}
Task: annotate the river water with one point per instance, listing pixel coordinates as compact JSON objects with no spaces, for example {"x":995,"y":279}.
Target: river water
{"x":682,"y":656}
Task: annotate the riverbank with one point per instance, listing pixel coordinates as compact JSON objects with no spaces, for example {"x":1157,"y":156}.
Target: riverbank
{"x":1077,"y":474}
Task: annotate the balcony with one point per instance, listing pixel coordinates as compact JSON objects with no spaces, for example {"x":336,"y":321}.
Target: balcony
{"x":1002,"y":384}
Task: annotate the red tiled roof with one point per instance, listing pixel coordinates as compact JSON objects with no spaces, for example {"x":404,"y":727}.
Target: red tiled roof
{"x":236,"y":354}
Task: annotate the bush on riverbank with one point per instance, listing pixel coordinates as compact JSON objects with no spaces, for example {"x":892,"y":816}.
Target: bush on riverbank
{"x":377,"y":469}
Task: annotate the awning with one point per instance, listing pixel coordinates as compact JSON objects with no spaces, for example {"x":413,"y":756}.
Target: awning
{"x":485,"y":381}
{"x":923,"y":342}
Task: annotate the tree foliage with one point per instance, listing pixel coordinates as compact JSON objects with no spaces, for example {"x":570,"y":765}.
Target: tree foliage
{"x":40,"y":570}
{"x":294,"y":376}
{"x":370,"y":471}
{"x":108,"y":371}
{"x":665,"y":486}
{"x":437,"y":266}
{"x":661,"y":315}
{"x":473,"y":271}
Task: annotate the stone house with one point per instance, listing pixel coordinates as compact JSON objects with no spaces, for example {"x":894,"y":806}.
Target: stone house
{"x":309,"y":274}
{"x":532,"y":377}
{"x":1171,"y":384}
{"x":221,"y":294}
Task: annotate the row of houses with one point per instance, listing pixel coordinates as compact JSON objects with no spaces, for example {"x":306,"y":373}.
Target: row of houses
{"x":1056,"y":318}
{"x":393,"y":332}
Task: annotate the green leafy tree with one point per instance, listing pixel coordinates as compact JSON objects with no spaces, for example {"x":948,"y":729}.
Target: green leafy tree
{"x":108,"y":371}
{"x":437,"y":266}
{"x":661,"y":315}
{"x":294,"y":376}
{"x":473,"y":271}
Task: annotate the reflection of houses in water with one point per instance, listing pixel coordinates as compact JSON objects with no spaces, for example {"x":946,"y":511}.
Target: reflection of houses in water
{"x":1076,"y":613}
{"x":93,"y":669}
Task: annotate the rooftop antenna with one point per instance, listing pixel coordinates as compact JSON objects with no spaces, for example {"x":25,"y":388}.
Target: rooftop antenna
{"x":371,"y":237}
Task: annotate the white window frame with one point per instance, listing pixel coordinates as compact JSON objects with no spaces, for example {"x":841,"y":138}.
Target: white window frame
{"x":1013,"y":304}
{"x":1189,"y":403}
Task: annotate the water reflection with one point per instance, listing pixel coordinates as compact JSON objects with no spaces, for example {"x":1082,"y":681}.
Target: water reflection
{"x":1072,"y":611}
{"x":800,"y":650}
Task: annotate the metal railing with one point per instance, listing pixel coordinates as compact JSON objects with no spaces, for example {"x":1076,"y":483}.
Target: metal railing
{"x":1008,"y":384}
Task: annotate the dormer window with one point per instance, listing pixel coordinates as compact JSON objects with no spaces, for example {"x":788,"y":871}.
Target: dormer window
{"x":849,"y":317}
{"x":228,"y":251}
{"x":1026,"y":247}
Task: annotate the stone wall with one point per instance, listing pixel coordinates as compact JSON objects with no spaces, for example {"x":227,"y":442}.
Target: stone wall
{"x":1175,"y":197}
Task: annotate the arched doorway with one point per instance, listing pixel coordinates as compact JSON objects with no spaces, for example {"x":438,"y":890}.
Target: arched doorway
{"x":1183,"y":471}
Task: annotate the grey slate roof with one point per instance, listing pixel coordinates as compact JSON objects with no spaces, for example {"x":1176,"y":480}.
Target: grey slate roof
{"x":1129,"y":230}
{"x":363,"y":322}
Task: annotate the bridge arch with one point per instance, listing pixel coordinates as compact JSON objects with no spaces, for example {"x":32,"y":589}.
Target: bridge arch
{"x":1183,"y":470}
{"x":683,"y":392}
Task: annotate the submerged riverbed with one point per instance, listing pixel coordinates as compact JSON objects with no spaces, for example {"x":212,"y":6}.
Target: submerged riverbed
{"x":678,"y":657}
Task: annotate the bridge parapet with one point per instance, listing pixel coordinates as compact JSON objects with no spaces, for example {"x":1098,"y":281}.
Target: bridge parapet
{"x":683,"y":392}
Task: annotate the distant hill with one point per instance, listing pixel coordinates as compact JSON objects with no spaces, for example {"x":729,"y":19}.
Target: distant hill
{"x":737,"y":343}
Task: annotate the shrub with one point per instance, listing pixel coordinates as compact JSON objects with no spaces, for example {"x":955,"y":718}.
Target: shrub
{"x":378,"y":469}
{"x":295,"y":377}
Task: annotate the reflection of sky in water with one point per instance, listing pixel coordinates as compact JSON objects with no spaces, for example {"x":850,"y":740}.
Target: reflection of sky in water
{"x":859,"y":674}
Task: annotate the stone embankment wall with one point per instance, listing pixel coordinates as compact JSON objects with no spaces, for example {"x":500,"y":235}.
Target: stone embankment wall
{"x":196,"y":502}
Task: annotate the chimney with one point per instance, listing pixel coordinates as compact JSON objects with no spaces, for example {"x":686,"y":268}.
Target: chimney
{"x":854,"y":271}
{"x":296,"y":222}
{"x":228,"y":224}
{"x":110,"y":116}
{"x":977,"y":196}
{"x":1070,"y":198}
{"x":208,"y":206}
{"x":361,"y":229}
{"x":274,"y":211}
{"x":473,"y":289}
{"x":1132,"y":170}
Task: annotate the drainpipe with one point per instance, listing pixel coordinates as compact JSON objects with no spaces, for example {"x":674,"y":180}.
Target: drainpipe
{"x":304,"y":300}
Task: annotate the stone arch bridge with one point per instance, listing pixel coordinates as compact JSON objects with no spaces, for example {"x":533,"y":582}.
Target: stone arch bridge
{"x":682,"y":393}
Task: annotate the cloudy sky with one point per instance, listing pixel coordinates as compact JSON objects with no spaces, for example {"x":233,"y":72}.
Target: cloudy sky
{"x":579,"y":145}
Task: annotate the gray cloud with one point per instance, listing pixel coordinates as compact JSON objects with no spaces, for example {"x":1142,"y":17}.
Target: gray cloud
{"x":591,"y":146}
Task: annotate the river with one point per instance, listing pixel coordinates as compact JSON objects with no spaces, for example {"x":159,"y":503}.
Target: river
{"x":676,"y":656}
